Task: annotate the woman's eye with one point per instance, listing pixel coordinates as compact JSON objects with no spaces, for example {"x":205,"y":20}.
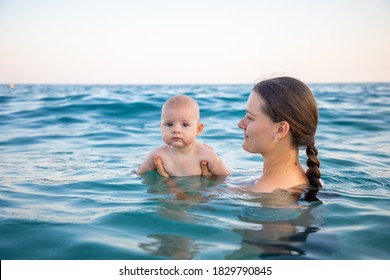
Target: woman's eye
{"x":249,"y":118}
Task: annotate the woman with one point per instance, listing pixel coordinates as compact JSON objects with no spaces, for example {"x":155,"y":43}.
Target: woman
{"x":281,"y":117}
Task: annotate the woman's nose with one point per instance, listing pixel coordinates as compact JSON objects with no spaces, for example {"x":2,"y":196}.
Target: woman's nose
{"x":241,"y":124}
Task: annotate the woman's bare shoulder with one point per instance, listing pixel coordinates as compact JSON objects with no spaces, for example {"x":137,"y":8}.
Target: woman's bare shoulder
{"x":295,"y":191}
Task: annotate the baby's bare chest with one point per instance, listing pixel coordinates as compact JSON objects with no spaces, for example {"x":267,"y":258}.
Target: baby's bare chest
{"x":188,"y":166}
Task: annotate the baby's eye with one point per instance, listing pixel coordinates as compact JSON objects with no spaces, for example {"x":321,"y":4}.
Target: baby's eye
{"x":169,"y":124}
{"x":186,"y":124}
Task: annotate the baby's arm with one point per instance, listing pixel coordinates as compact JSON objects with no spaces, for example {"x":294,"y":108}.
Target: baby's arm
{"x":218,"y":167}
{"x":216,"y":164}
{"x":148,"y":164}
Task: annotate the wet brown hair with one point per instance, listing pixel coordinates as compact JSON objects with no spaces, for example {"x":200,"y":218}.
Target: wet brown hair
{"x":288,"y":99}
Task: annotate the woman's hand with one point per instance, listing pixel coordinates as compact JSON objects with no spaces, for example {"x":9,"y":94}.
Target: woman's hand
{"x":161,"y":171}
{"x":160,"y":167}
{"x":204,"y":166}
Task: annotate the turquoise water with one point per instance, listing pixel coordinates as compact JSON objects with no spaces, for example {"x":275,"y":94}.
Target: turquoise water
{"x":68,"y":189}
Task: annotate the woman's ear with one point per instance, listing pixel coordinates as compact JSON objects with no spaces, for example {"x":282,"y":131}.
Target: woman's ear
{"x":200,"y":129}
{"x":282,"y":129}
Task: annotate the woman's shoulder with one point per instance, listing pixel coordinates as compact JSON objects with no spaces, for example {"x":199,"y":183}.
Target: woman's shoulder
{"x":295,"y":191}
{"x":298,"y":188}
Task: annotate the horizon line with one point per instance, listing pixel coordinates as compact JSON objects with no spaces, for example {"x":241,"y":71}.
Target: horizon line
{"x":172,"y":84}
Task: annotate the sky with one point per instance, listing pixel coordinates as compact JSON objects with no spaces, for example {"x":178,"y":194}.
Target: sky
{"x":193,"y":41}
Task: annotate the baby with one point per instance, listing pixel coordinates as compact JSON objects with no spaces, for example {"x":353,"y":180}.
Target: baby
{"x":182,"y":154}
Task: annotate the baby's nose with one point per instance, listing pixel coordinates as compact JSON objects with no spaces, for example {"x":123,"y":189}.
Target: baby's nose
{"x":176,"y":129}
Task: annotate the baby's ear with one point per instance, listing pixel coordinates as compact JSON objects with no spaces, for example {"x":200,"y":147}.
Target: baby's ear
{"x":200,"y":129}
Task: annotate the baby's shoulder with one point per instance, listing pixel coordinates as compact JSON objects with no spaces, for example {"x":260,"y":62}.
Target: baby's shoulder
{"x":206,"y":151}
{"x":159,"y":151}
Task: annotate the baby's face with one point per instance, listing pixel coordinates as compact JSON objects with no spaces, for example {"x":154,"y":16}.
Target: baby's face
{"x":180,"y":125}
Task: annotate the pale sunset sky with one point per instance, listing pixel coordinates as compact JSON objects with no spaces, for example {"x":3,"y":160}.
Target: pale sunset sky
{"x":193,"y":41}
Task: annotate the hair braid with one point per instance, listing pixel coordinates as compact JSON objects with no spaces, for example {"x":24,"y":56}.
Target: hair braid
{"x":313,"y":172}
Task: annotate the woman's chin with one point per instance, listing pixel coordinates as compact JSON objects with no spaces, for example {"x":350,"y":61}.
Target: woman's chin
{"x":245,"y":147}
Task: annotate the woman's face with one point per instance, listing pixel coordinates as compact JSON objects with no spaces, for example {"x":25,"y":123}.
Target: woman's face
{"x":258,"y":128}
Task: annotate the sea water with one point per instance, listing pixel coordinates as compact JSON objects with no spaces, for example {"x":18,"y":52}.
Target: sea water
{"x":68,"y":187}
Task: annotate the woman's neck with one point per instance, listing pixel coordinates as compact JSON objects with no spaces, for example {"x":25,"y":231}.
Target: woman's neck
{"x":281,"y":170}
{"x":280,"y":160}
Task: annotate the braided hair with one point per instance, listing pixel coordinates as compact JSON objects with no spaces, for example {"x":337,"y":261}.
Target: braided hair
{"x":288,"y":99}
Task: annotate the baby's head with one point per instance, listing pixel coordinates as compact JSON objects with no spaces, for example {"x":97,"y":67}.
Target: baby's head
{"x":180,"y":121}
{"x":179,"y":102}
